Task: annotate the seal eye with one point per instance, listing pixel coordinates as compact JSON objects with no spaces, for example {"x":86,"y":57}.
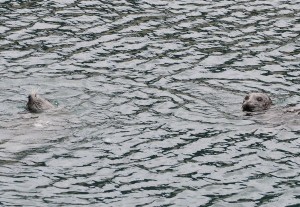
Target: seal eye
{"x":259,"y":99}
{"x":246,"y":98}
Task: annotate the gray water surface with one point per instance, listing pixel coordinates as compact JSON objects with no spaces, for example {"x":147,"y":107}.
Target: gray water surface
{"x":148,"y":97}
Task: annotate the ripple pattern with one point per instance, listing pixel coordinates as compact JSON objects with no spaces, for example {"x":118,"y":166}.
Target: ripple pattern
{"x":149,"y":96}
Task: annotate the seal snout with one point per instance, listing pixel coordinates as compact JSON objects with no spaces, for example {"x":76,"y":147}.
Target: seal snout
{"x":29,"y":98}
{"x":248,"y":107}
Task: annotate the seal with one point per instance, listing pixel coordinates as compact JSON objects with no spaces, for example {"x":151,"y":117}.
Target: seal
{"x":37,"y":104}
{"x":256,"y":102}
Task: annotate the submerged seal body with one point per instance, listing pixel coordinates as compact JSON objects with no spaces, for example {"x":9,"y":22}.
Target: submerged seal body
{"x":256,"y":102}
{"x":37,"y":104}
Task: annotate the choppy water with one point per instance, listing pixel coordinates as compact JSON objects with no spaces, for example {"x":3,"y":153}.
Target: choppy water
{"x":149,"y":103}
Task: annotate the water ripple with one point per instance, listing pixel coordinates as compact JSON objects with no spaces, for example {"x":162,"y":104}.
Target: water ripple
{"x":148,"y":97}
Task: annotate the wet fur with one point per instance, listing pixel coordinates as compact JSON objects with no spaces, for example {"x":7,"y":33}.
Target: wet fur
{"x":37,"y":104}
{"x":256,"y":102}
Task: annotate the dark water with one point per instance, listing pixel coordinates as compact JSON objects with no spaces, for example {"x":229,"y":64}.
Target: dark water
{"x":149,"y":103}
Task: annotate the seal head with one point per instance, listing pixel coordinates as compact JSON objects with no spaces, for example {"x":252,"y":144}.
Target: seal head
{"x":37,"y":104}
{"x":256,"y":102}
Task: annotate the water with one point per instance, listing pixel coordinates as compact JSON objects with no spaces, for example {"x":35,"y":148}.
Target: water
{"x":149,"y":100}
